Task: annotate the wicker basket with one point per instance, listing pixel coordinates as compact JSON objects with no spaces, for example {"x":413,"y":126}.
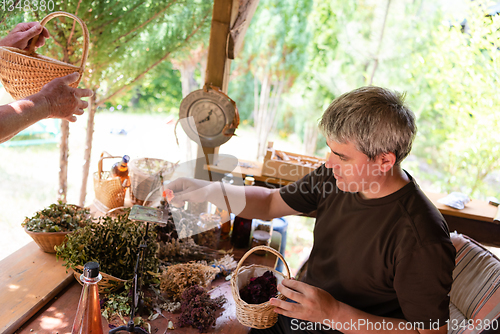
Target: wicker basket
{"x":24,"y":73}
{"x":109,"y":192}
{"x":259,"y":316}
{"x":106,"y":285}
{"x":145,"y":181}
{"x":48,"y":240}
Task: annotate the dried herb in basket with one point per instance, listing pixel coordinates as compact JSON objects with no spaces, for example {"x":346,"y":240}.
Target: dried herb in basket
{"x":260,"y":289}
{"x":113,"y":243}
{"x":58,"y":217}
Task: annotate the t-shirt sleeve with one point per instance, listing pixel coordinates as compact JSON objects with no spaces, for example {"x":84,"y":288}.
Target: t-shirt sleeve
{"x":305,"y":194}
{"x":423,"y":281}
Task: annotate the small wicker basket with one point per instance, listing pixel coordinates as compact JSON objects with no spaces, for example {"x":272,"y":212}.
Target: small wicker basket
{"x":145,"y":181}
{"x":106,"y":285}
{"x":48,"y":240}
{"x":109,"y":192}
{"x":24,"y":73}
{"x":259,"y":316}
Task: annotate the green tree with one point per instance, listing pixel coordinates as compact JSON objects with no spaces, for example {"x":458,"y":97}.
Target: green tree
{"x":275,"y":56}
{"x":459,"y":77}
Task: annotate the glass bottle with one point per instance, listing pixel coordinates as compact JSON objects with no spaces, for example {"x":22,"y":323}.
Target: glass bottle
{"x":88,"y":316}
{"x":225,"y":216}
{"x":242,"y":227}
{"x":120,"y":169}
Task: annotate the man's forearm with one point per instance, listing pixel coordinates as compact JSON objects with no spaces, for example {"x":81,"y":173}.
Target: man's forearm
{"x":18,"y":115}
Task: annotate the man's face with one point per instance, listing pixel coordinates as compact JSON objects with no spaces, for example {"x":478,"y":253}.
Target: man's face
{"x":352,"y":169}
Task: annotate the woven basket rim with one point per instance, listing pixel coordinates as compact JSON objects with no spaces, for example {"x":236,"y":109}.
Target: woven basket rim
{"x":48,"y":233}
{"x":136,"y":170}
{"x":38,"y":57}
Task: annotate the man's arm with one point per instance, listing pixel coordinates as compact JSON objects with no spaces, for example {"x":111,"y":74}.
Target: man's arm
{"x":316,"y":305}
{"x":56,"y":100}
{"x":247,"y":202}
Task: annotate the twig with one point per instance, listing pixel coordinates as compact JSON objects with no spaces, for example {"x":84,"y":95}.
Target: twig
{"x":74,"y":23}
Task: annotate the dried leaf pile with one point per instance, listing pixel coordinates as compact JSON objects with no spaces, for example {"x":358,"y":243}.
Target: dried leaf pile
{"x":177,"y":278}
{"x":198,"y":309}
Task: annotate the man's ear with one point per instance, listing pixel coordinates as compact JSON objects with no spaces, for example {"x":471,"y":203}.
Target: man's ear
{"x":386,"y":161}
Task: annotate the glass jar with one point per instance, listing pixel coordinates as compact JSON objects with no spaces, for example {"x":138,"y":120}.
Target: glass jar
{"x":262,"y":232}
{"x":209,"y":230}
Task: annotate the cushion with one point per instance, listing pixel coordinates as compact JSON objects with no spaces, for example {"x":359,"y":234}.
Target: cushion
{"x":476,"y":287}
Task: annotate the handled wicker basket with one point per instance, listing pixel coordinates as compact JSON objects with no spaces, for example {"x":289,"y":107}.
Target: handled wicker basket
{"x":24,"y":73}
{"x":259,"y":316}
{"x":109,"y":192}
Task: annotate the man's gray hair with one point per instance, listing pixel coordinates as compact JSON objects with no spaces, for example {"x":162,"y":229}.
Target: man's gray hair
{"x":375,"y":119}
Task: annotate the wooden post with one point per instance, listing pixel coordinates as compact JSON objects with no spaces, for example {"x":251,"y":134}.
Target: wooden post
{"x":88,"y":149}
{"x":217,"y":72}
{"x":62,"y":192}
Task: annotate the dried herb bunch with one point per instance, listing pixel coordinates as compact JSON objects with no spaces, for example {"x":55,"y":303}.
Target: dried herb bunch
{"x":198,"y":308}
{"x":58,"y":217}
{"x":260,"y":289}
{"x":179,"y":277}
{"x":113,"y":242}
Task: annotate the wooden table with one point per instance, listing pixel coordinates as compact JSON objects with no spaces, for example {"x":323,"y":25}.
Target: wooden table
{"x":38,"y":296}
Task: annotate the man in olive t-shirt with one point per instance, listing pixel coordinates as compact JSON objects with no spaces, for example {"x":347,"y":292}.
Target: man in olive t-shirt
{"x":382,"y":259}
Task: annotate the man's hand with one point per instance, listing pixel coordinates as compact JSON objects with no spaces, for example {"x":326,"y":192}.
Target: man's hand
{"x":190,"y":190}
{"x":63,"y":101}
{"x":312,"y":303}
{"x":21,"y":35}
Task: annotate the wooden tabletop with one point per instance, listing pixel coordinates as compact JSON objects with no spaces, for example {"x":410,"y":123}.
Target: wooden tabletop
{"x":38,"y":296}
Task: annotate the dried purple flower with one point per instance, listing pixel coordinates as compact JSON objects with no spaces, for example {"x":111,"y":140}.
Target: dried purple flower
{"x":260,"y":289}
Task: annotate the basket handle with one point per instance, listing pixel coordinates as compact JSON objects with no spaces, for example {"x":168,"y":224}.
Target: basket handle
{"x":86,"y":36}
{"x":264,"y":248}
{"x":99,"y":164}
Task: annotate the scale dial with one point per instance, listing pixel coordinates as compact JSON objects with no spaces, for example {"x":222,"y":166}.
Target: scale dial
{"x":213,"y":117}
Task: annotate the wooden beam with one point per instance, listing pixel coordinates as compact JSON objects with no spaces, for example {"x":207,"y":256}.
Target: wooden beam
{"x":216,"y":60}
{"x":218,"y":66}
{"x":239,"y":28}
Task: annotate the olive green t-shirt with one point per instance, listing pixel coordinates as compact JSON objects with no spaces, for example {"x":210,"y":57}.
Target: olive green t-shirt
{"x":390,"y":256}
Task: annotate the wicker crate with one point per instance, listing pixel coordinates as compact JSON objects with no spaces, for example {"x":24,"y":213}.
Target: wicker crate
{"x":288,"y":166}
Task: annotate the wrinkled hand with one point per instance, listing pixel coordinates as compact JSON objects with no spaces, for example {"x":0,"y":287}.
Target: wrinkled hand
{"x":62,"y":100}
{"x":21,"y":35}
{"x":189,"y":190}
{"x":312,"y":303}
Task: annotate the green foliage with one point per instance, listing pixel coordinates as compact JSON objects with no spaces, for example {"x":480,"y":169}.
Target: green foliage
{"x":459,"y":77}
{"x":126,"y":38}
{"x":113,"y":243}
{"x":275,"y":46}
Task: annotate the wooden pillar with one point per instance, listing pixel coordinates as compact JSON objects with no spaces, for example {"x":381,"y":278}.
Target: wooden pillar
{"x":217,"y":72}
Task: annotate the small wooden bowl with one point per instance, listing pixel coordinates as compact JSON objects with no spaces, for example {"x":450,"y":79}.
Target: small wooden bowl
{"x":47,"y":240}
